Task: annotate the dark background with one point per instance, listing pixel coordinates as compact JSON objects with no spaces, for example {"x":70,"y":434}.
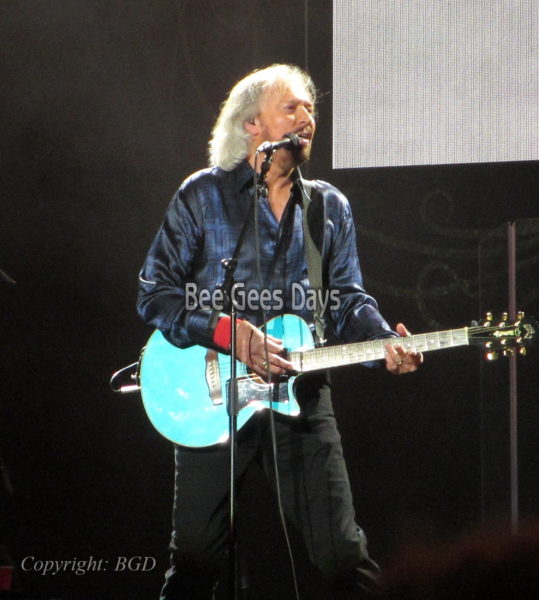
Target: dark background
{"x":105,"y":107}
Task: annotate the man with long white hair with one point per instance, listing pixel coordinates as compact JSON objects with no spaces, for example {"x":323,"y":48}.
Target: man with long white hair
{"x":201,"y":227}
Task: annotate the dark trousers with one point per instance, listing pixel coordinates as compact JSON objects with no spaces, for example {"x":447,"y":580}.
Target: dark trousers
{"x":315,"y":493}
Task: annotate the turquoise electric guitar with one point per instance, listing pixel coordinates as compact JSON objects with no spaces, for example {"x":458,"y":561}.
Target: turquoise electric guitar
{"x":184,"y":391}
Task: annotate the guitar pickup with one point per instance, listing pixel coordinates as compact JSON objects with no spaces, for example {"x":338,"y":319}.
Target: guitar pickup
{"x":213,"y":377}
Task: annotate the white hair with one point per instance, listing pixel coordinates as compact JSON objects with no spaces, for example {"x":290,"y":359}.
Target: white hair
{"x":229,"y":143}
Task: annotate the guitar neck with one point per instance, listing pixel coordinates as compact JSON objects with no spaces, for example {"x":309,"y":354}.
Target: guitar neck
{"x":360,"y":352}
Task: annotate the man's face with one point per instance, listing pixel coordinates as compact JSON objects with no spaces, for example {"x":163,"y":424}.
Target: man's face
{"x":286,"y":110}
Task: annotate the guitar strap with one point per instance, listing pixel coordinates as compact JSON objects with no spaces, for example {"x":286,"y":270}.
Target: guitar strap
{"x":314,"y":218}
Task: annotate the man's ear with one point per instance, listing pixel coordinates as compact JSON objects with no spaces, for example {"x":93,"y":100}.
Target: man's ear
{"x":252,"y":126}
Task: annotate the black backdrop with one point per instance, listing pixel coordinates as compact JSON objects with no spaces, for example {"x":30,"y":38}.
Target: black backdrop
{"x":105,"y":107}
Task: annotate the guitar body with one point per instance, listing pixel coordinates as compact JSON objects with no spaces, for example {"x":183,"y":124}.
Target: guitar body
{"x":185,"y":392}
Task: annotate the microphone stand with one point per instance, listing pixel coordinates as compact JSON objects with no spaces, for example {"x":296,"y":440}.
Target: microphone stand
{"x":5,"y":559}
{"x":227,"y":285}
{"x":4,"y":475}
{"x":229,"y":265}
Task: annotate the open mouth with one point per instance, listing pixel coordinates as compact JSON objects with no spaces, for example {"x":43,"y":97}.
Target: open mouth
{"x":305,"y":137}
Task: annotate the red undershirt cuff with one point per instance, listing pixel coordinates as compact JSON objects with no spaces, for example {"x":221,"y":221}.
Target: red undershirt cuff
{"x":221,"y":333}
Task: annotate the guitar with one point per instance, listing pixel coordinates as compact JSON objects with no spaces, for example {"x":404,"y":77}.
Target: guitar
{"x":184,"y":391}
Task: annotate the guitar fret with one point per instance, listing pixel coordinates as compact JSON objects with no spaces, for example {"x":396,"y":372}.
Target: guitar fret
{"x":337,"y":356}
{"x":460,"y":337}
{"x":369,"y":351}
{"x":433,"y":341}
{"x":408,"y":344}
{"x":445,"y":339}
{"x":379,"y":349}
{"x":359,"y":353}
{"x":421,"y":343}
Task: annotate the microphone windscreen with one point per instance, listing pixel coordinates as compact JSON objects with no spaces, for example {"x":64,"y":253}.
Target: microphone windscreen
{"x":294,"y":140}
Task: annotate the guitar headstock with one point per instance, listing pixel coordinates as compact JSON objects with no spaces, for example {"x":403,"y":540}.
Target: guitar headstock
{"x":504,"y":336}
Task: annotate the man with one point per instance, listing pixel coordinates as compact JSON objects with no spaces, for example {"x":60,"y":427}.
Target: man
{"x":201,"y":227}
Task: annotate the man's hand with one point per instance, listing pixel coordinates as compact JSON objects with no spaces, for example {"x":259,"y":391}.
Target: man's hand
{"x":398,"y":361}
{"x":251,"y":351}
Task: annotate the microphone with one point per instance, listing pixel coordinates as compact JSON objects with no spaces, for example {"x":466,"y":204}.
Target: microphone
{"x":290,"y":141}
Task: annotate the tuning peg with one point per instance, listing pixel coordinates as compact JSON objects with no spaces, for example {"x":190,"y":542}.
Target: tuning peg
{"x":488,"y":319}
{"x":505,"y":316}
{"x":508,"y":352}
{"x":520,"y":315}
{"x":492,"y":355}
{"x":522,"y":351}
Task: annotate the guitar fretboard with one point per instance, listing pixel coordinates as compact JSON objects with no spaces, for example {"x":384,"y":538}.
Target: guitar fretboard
{"x":348,"y":354}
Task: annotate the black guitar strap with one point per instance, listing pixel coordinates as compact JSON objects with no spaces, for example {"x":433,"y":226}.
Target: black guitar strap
{"x":314,"y":218}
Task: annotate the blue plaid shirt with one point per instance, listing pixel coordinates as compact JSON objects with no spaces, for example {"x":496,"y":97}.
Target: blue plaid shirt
{"x":201,"y":227}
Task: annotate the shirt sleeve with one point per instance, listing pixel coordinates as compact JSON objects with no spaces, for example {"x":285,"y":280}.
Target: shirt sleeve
{"x":163,"y":299}
{"x":354,"y":314}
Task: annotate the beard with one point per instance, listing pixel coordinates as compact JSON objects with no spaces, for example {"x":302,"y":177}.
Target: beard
{"x":301,"y":153}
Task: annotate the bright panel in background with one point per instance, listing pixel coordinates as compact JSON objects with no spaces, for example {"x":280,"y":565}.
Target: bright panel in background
{"x":422,"y":82}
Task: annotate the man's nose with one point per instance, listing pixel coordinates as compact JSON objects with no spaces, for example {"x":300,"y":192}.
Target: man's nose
{"x":303,"y":115}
